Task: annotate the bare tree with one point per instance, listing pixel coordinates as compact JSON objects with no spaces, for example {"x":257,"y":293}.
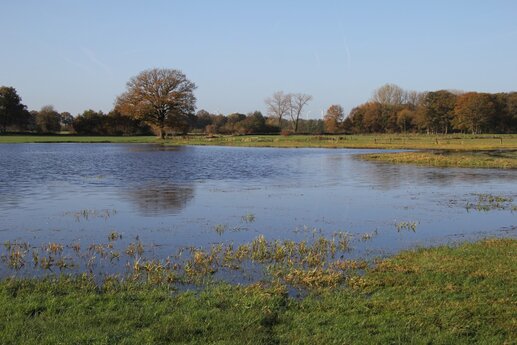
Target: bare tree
{"x":297,"y":102}
{"x":389,"y":94}
{"x":278,"y":105}
{"x":160,"y":97}
{"x":414,"y":98}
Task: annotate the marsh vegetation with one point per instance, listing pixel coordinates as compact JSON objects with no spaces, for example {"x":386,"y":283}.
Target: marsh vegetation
{"x":461,"y":294}
{"x":272,"y":240}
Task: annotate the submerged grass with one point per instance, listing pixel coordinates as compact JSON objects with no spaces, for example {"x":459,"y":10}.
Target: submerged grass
{"x":86,"y":214}
{"x":406,"y":226}
{"x":489,"y":202}
{"x":500,"y":160}
{"x":444,"y":295}
{"x":307,"y":264}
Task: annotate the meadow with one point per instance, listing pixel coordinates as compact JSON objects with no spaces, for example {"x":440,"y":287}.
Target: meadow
{"x":453,"y":150}
{"x":442,"y":158}
{"x":456,"y":294}
{"x":459,"y":142}
{"x":459,"y":293}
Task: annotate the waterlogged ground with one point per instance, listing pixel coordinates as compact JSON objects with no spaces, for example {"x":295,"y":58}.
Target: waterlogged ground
{"x":110,"y":208}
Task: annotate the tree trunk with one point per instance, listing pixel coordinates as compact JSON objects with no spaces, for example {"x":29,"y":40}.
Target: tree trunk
{"x":162,"y":133}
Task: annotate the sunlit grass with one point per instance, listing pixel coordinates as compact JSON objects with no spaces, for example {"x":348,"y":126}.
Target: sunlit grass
{"x":13,"y":139}
{"x":449,"y":295}
{"x":305,"y":264}
{"x":451,"y":149}
{"x":499,"y":160}
{"x":389,"y":141}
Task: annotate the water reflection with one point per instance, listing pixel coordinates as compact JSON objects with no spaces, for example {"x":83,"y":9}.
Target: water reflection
{"x":156,"y":148}
{"x":391,"y":176}
{"x":189,"y":190}
{"x":9,"y":199}
{"x":159,"y":198}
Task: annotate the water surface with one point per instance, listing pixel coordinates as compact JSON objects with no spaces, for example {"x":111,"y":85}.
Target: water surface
{"x":172,"y":197}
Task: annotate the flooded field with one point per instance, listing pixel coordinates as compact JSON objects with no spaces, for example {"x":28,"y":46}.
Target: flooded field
{"x":109,"y":208}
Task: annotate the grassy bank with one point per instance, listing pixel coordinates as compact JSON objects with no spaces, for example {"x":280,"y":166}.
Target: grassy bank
{"x":65,"y":138}
{"x":392,"y":141}
{"x":461,"y":295}
{"x":482,"y":159}
{"x":495,"y":151}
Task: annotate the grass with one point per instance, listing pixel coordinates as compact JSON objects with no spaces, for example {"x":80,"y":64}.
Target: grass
{"x":68,"y":138}
{"x":406,"y":226}
{"x":489,"y":202}
{"x":455,"y":150}
{"x":445,"y":295}
{"x":380,"y":141}
{"x":86,"y":214}
{"x":482,"y":159}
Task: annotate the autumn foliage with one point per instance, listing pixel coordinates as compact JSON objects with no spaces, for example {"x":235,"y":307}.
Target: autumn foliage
{"x":393,"y":110}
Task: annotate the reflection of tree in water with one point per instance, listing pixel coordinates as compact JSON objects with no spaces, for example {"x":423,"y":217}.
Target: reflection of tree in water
{"x":161,"y":199}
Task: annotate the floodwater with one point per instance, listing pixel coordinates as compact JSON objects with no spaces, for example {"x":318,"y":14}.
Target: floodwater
{"x":175,"y":197}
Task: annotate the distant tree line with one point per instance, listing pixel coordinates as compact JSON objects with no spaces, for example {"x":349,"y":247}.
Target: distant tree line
{"x":162,"y":101}
{"x":394,"y":110}
{"x":13,"y":114}
{"x":133,"y":116}
{"x":14,"y":117}
{"x":251,"y":123}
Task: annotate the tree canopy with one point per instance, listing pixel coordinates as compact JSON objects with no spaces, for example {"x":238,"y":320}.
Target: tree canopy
{"x":333,"y":118}
{"x":473,"y":112}
{"x":438,"y":110}
{"x":12,"y":111}
{"x":48,"y":120}
{"x":162,"y":98}
{"x":281,"y":104}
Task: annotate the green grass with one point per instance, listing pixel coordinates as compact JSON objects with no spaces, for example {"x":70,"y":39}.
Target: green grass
{"x":393,"y":141}
{"x":458,"y":150}
{"x":500,"y":160}
{"x":18,"y":139}
{"x":445,"y":295}
{"x":388,"y":141}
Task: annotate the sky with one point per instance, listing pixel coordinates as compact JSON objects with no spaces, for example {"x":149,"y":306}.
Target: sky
{"x":78,"y":55}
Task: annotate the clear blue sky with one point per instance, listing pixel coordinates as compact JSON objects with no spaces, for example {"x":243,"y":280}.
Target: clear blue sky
{"x":77,"y":55}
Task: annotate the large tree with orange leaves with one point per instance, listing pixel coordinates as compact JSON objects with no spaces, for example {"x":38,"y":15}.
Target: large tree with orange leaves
{"x":160,"y":97}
